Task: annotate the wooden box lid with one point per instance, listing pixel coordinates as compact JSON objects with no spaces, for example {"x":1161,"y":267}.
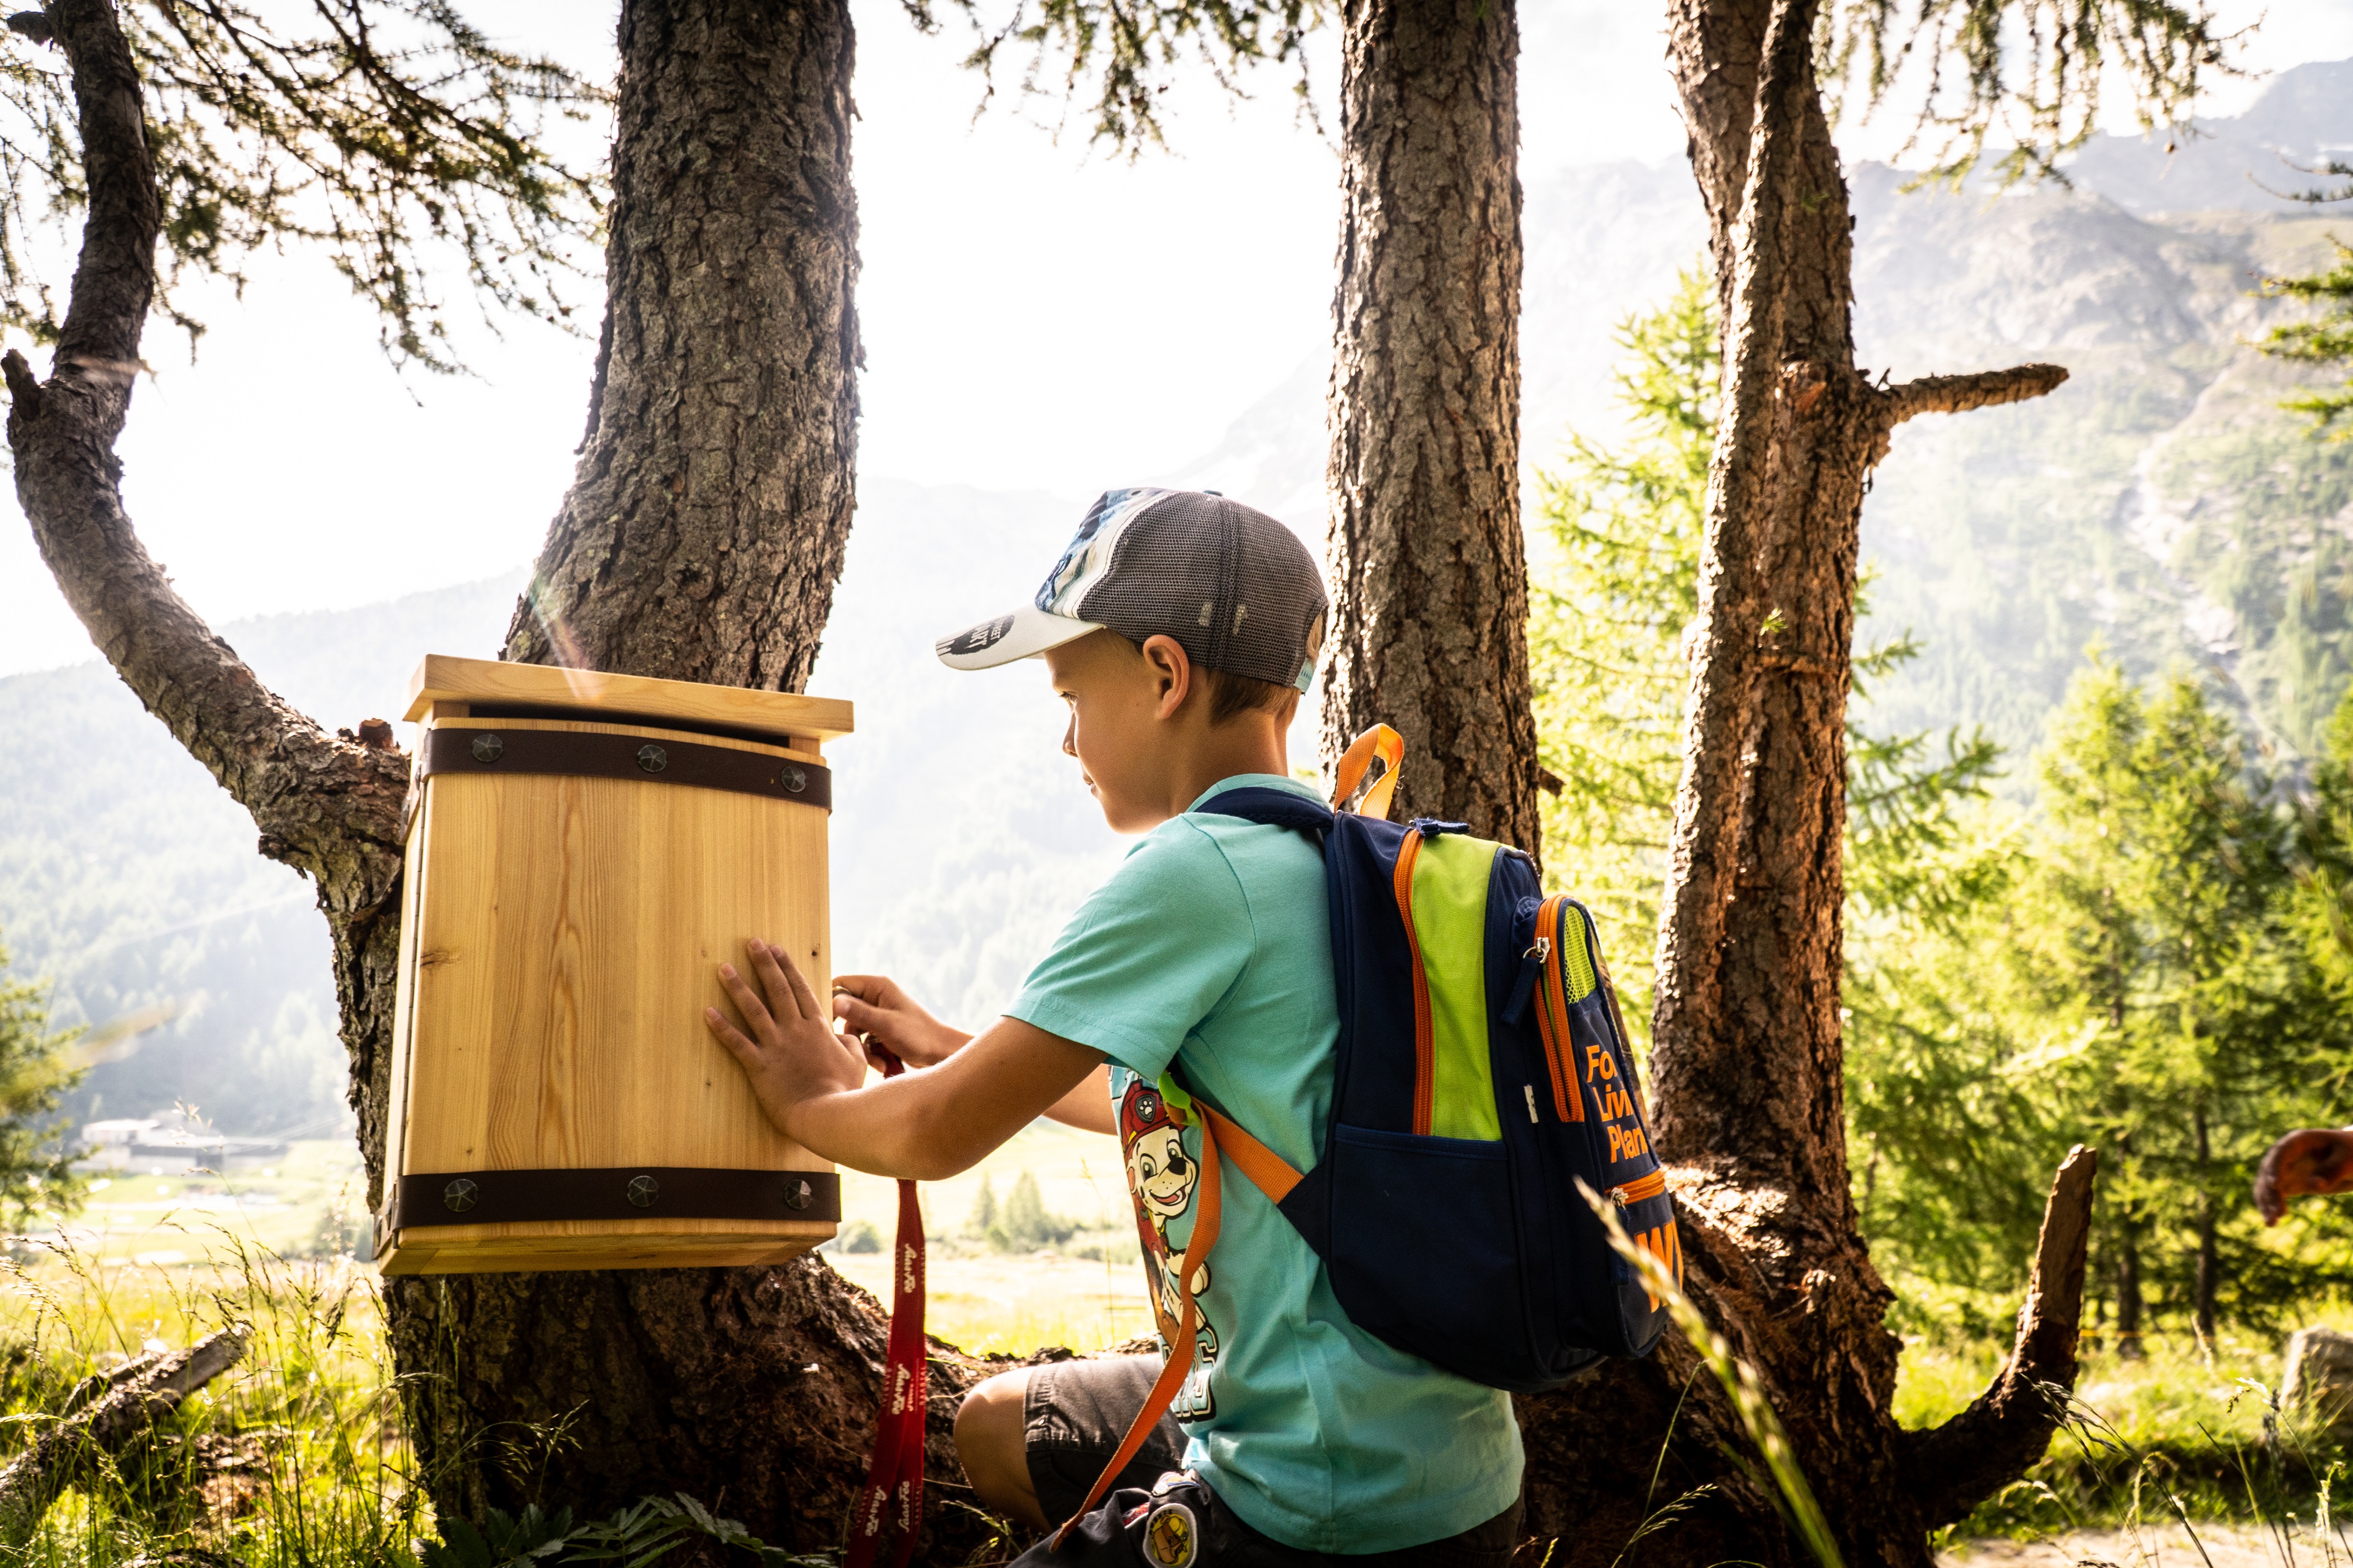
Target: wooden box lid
{"x":442,"y":679}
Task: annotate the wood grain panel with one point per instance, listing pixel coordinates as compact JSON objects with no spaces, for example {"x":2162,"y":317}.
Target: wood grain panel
{"x":443,"y":678}
{"x":440,"y":1254}
{"x":563,"y":937}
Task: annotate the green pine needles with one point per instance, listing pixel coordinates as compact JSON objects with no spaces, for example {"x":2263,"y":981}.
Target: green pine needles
{"x":2327,"y":338}
{"x":2156,"y":957}
{"x":391,"y":135}
{"x":2144,"y":965}
{"x":36,"y":1176}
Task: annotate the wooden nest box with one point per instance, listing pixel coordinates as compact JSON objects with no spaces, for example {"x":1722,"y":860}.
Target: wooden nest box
{"x":583,"y":851}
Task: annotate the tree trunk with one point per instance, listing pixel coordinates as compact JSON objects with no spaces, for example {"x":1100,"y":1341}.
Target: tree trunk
{"x":701,"y":541}
{"x":2128,"y":1299}
{"x":1429,"y":582}
{"x":1748,"y":1090}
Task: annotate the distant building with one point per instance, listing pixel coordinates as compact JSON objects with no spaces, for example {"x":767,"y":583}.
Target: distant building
{"x":169,"y":1144}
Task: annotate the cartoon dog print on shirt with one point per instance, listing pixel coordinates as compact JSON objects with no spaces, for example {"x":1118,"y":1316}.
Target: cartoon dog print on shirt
{"x":1162,"y":1177}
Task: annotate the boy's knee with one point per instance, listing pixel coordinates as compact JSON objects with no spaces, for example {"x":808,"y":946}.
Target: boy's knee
{"x":989,"y":1440}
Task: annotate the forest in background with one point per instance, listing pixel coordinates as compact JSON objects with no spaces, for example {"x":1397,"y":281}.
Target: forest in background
{"x":2142,"y":943}
{"x":2010,"y":539}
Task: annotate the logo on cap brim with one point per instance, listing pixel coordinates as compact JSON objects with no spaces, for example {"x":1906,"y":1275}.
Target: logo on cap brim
{"x":975,"y":639}
{"x":1021,"y":634}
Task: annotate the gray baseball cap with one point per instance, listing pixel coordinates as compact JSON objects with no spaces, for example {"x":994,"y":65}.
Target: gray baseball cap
{"x":1236,"y":589}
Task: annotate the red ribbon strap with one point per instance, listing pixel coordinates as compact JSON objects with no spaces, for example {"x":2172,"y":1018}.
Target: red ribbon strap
{"x":893,"y":1492}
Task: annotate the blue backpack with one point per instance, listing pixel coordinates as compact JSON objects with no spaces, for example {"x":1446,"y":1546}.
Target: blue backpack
{"x":1482,"y":1072}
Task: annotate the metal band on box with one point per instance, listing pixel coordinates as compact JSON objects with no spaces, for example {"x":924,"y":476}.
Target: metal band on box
{"x":622,"y":1192}
{"x":590,"y":754}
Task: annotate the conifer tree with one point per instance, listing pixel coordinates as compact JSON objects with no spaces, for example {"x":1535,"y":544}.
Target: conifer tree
{"x":36,"y":1173}
{"x":2137,"y":968}
{"x":1611,"y":604}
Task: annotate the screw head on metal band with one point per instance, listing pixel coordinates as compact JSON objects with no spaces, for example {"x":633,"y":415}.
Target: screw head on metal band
{"x":793,"y":779}
{"x":462,"y":1194}
{"x":798,"y":1192}
{"x":489,"y":748}
{"x":644,"y":1190}
{"x":653,"y":759}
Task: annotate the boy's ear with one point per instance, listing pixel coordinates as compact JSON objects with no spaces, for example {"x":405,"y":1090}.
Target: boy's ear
{"x":1172,"y":673}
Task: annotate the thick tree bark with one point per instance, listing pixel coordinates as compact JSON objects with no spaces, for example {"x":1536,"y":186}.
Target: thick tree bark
{"x":704,"y":530}
{"x":1747,"y":1064}
{"x":1429,"y":587}
{"x":701,"y":541}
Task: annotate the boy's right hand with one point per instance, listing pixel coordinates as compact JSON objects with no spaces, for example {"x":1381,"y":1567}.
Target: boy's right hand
{"x":874,"y":1006}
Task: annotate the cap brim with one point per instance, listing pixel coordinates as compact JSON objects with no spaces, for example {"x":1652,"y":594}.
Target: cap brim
{"x":1023,"y":634}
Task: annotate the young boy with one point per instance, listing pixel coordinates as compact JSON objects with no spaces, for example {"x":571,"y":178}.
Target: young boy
{"x":1180,"y":627}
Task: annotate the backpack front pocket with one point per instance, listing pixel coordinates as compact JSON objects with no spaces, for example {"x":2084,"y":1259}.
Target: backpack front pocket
{"x":1398,"y":1203}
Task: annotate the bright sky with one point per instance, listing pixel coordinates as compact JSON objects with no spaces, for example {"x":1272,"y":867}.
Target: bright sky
{"x":1036,"y":316}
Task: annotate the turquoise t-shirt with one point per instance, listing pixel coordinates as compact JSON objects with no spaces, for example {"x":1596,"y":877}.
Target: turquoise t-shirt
{"x":1210,"y":948}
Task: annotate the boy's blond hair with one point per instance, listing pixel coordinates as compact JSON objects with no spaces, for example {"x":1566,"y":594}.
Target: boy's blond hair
{"x":1230,"y":695}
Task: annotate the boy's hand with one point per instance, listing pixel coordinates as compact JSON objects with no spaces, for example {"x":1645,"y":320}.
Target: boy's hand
{"x":873,"y":1006}
{"x":791,"y":1053}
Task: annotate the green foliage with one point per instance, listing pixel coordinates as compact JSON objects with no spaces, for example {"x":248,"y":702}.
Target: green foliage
{"x":35,"y":1166}
{"x":1134,"y":43}
{"x":389,"y":135}
{"x":1023,"y":1224}
{"x":2327,"y":339}
{"x":2128,"y":967}
{"x":2036,"y":71}
{"x":634,"y":1537}
{"x":1607,"y":618}
{"x":1609,"y":613}
{"x":2031,"y":70}
{"x":2133,"y":970}
{"x":983,"y":1223}
{"x":860,"y":1235}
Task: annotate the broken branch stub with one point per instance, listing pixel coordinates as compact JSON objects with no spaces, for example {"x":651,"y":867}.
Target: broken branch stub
{"x":1968,"y":1458}
{"x":64,"y":1453}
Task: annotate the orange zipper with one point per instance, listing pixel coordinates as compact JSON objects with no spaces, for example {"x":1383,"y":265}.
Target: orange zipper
{"x":1640,"y":1188}
{"x":1552,"y":1014}
{"x":1425,"y":1040}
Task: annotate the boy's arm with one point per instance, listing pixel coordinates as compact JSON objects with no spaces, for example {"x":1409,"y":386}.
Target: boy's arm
{"x":1087,"y":1106}
{"x":876,"y":1006}
{"x":926,"y":1124}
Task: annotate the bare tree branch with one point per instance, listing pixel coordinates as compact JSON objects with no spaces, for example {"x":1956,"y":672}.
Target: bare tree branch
{"x":1961,"y":394}
{"x":1964,"y":1460}
{"x":315,"y":797}
{"x":62,"y":1455}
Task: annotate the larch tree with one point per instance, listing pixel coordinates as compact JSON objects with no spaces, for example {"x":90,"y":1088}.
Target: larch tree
{"x":1747,"y":1064}
{"x":701,"y":541}
{"x":1426,"y":559}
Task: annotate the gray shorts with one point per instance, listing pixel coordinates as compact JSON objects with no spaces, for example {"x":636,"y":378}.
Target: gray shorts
{"x":1074,"y":1415}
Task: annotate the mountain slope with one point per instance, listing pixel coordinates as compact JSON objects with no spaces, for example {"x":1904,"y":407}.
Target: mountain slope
{"x":2160,"y":501}
{"x":962,"y":837}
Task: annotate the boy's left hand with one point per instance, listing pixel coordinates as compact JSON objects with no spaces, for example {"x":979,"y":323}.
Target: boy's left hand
{"x":790,"y":1053}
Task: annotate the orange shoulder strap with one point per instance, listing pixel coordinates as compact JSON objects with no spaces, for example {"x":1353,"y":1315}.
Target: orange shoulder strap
{"x":1180,"y":1355}
{"x":1267,"y":1171}
{"x":1381,"y":742}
